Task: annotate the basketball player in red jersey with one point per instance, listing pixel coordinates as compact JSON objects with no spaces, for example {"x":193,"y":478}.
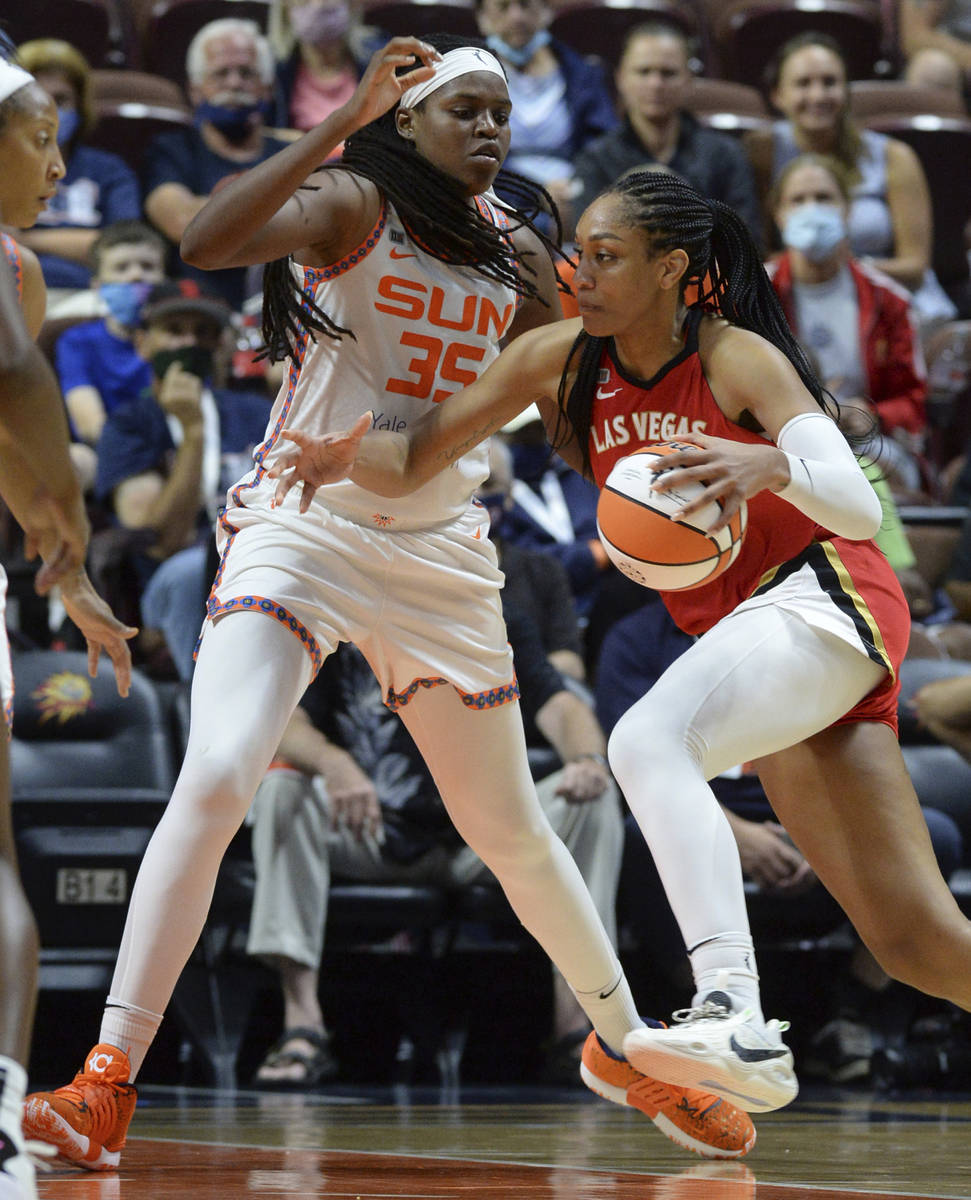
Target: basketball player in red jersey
{"x":39,"y":486}
{"x":800,"y":639}
{"x":393,"y":278}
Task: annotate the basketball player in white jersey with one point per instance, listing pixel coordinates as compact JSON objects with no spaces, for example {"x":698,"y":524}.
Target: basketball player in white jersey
{"x":392,"y":279}
{"x":38,"y":484}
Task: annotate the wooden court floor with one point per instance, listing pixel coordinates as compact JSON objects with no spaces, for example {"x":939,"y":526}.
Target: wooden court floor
{"x":519,"y":1144}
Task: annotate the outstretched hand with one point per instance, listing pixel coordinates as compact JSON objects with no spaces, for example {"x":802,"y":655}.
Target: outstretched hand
{"x":101,"y":628}
{"x":317,"y":460}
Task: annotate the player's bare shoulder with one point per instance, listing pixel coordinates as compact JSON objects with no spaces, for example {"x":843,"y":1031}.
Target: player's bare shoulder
{"x":729,"y":352}
{"x":749,"y":377}
{"x":340,"y":209}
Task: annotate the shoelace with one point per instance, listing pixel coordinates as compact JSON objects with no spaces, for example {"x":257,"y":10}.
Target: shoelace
{"x":97,"y":1094}
{"x":708,"y":1011}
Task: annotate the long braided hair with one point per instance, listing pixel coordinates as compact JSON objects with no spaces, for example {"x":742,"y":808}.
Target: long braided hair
{"x":723,"y":263}
{"x":433,"y":208}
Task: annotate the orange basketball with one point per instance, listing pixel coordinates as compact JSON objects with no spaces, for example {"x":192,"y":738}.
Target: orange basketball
{"x":644,"y":540}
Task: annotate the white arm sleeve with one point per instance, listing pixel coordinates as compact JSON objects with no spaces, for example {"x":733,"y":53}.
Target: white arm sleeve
{"x":825,"y":480}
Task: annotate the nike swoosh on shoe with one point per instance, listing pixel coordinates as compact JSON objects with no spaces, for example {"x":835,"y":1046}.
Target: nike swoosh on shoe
{"x":750,"y":1054}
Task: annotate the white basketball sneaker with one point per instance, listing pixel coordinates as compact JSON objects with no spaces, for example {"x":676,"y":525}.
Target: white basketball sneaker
{"x":715,"y":1049}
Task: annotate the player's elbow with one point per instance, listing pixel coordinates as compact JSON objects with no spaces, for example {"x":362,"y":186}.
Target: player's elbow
{"x":864,"y":519}
{"x":196,"y":253}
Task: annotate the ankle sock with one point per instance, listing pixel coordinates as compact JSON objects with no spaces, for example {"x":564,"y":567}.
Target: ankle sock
{"x":131,"y":1029}
{"x":726,"y":963}
{"x":612,"y":1011}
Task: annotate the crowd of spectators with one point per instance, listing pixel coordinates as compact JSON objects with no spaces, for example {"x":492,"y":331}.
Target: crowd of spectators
{"x":166,"y":403}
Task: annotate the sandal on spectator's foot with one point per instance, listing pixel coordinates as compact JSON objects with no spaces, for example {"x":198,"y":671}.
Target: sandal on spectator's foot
{"x":313,"y":1066}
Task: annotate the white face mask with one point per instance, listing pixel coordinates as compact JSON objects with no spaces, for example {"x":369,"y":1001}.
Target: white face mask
{"x":815,"y":229}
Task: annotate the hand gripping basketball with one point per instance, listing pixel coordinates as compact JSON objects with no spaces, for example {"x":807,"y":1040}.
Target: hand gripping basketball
{"x":647,"y":537}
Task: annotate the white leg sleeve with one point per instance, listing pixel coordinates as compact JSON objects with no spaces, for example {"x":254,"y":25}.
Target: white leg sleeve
{"x":759,"y":681}
{"x":249,"y":676}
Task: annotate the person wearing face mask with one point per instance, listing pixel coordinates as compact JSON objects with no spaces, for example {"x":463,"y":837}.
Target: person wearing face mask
{"x":855,"y":322}
{"x":553,"y":509}
{"x":322,"y":49}
{"x":166,"y":457}
{"x":98,"y":189}
{"x":560,"y":100}
{"x":229,"y":66}
{"x":889,"y":217}
{"x":97,"y":364}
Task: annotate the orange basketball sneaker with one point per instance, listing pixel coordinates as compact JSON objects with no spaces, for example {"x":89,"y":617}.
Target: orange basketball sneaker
{"x":695,"y":1120}
{"x":87,"y":1120}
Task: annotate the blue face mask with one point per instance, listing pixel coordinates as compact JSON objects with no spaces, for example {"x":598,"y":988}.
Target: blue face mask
{"x":125,"y":300}
{"x":519,"y":58}
{"x":234,"y":122}
{"x":816,"y":230}
{"x":68,"y":122}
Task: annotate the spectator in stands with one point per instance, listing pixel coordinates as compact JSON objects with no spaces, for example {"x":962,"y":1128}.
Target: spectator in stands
{"x":553,"y":509}
{"x":560,"y":100}
{"x":97,"y":363}
{"x":354,"y":799}
{"x":652,"y":80}
{"x":98,"y":189}
{"x":938,"y":25}
{"x":321,"y":48}
{"x":536,"y":580}
{"x":166,"y":457}
{"x":934,"y":68}
{"x":852,"y":320}
{"x":230,"y":69}
{"x":890,"y":211}
{"x":943,"y":707}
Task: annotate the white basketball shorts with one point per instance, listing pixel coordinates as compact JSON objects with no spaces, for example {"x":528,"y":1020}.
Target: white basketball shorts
{"x":423,"y":607}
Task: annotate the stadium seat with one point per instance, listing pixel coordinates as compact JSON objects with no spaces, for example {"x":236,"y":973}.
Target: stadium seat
{"x":599,"y":26}
{"x":131,"y":108}
{"x":747,"y":33}
{"x":726,"y":105}
{"x":894,"y":97}
{"x":168,"y":26}
{"x":92,"y":26}
{"x":941,"y":777}
{"x":399,"y":18}
{"x":91,"y":774}
{"x":943,"y":145}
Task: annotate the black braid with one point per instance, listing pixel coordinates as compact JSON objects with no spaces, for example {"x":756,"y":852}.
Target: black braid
{"x":433,"y":208}
{"x":724,"y":263}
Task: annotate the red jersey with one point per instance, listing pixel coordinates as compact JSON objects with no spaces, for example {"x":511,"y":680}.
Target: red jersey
{"x":629,"y":413}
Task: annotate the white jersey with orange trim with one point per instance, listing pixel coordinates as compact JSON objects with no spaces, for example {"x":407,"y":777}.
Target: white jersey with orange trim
{"x":422,"y":331}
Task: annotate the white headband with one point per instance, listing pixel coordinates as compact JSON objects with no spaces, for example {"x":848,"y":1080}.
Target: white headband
{"x":458,"y":62}
{"x":12,"y":79}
